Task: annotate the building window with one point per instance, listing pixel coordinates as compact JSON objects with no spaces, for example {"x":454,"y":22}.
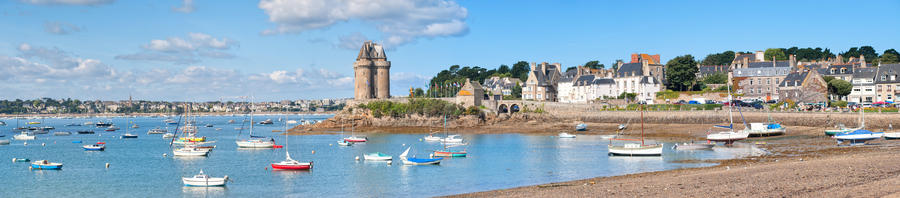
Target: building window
{"x":768,"y":81}
{"x":883,"y":77}
{"x":751,"y":81}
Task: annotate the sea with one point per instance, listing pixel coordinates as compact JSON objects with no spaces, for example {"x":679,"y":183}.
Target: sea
{"x":145,"y":166}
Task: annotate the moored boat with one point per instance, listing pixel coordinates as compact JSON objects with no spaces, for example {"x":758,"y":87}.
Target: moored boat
{"x":157,"y":130}
{"x":129,"y":135}
{"x":21,"y":160}
{"x":288,"y":163}
{"x":566,"y":135}
{"x":85,"y":132}
{"x":190,"y":151}
{"x":267,"y":121}
{"x":24,"y":136}
{"x":418,"y":161}
{"x":694,"y":146}
{"x":94,"y":147}
{"x":377,"y":156}
{"x":892,"y":135}
{"x":203,"y":180}
{"x":452,"y":139}
{"x":355,"y":139}
{"x":62,"y":133}
{"x":635,"y":149}
{"x":581,"y":127}
{"x":344,"y":143}
{"x":4,"y":141}
{"x":857,"y":137}
{"x":111,"y":128}
{"x":46,"y":165}
{"x":168,"y":135}
{"x":757,"y":129}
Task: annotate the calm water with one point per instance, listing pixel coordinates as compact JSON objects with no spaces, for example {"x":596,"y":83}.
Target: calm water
{"x":138,"y":167}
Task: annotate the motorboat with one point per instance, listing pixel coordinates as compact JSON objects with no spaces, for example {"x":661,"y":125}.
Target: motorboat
{"x":24,"y":136}
{"x":111,"y":128}
{"x":168,"y":135}
{"x":190,"y":151}
{"x":85,"y":132}
{"x":857,"y":137}
{"x":566,"y":135}
{"x":892,"y":135}
{"x":452,"y":139}
{"x":21,"y":160}
{"x":344,"y":143}
{"x":432,"y":138}
{"x":102,"y":124}
{"x":203,"y":180}
{"x":757,"y":129}
{"x":157,"y":130}
{"x":378,"y":156}
{"x":129,"y":135}
{"x":581,"y":127}
{"x":694,"y":146}
{"x":62,"y":133}
{"x":355,"y":139}
{"x":418,"y":161}
{"x":46,"y":165}
{"x":267,"y":121}
{"x":94,"y":147}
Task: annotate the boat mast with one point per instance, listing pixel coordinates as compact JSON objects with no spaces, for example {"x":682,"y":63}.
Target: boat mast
{"x":251,"y":116}
{"x":730,"y":106}
{"x":642,"y":124}
{"x":286,"y":144}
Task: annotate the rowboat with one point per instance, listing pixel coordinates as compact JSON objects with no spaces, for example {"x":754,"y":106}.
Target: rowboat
{"x":566,"y":135}
{"x":581,"y":127}
{"x":418,"y":161}
{"x":857,"y":137}
{"x":378,"y":156}
{"x":694,"y":146}
{"x":94,"y":147}
{"x":203,"y":180}
{"x":46,"y":165}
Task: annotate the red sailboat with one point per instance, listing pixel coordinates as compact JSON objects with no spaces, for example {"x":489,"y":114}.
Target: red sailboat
{"x":288,"y":163}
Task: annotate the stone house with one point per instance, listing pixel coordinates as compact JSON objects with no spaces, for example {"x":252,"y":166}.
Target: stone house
{"x":470,"y":94}
{"x":863,"y":82}
{"x":759,"y":82}
{"x":803,"y":87}
{"x":501,"y":85}
{"x":639,"y":78}
{"x":887,"y":83}
{"x":843,"y":72}
{"x":542,"y":82}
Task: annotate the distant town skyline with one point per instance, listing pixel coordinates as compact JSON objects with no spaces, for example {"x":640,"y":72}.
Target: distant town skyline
{"x":186,"y":50}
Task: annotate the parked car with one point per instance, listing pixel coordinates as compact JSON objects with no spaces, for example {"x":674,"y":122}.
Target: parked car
{"x":680,"y":102}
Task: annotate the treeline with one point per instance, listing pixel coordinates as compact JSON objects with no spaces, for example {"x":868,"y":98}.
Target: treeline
{"x":889,"y":56}
{"x":445,"y":82}
{"x":425,"y":107}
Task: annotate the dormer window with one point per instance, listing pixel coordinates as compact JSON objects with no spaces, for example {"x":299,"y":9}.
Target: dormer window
{"x":843,"y":70}
{"x":883,"y":77}
{"x":832,"y":70}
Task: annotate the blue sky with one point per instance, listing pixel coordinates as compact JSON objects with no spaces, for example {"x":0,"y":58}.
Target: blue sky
{"x":280,"y":49}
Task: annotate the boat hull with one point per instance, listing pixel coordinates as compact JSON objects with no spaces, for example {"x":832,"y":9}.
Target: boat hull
{"x":246,"y":144}
{"x":203,"y":182}
{"x":727,"y":137}
{"x":416,"y":161}
{"x":355,"y":139}
{"x":655,"y":150}
{"x":302,"y":166}
{"x":450,"y":153}
{"x":693,"y":146}
{"x":51,"y":166}
{"x":22,"y":137}
{"x":4,"y":142}
{"x":892,"y":136}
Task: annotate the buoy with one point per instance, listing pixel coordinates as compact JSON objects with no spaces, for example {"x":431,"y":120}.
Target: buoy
{"x":14,"y":159}
{"x":107,"y":165}
{"x":165,"y":154}
{"x":314,"y":152}
{"x":357,"y":158}
{"x":43,"y":144}
{"x":404,"y":144}
{"x":389,"y":162}
{"x":26,"y":143}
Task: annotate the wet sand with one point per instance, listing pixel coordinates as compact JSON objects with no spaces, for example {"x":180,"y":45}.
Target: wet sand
{"x":802,"y":163}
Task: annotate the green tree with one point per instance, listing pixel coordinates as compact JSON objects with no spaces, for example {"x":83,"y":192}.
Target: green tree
{"x":615,"y":65}
{"x":840,"y":88}
{"x":503,"y":69}
{"x":778,"y":53}
{"x":517,"y":91}
{"x":520,"y":70}
{"x":717,"y":78}
{"x":890,"y":56}
{"x":681,"y":72}
{"x":419,"y":92}
{"x":570,"y":69}
{"x":594,"y":65}
{"x":723,"y":58}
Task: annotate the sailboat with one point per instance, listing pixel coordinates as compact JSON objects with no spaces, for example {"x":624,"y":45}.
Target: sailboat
{"x":344,"y":142}
{"x":634,"y":149}
{"x":859,"y":136}
{"x":354,"y":138}
{"x":255,"y":141}
{"x":843,"y":129}
{"x":768,"y":128}
{"x":728,"y":136}
{"x":288,"y":163}
{"x":446,"y":151}
{"x":418,"y":161}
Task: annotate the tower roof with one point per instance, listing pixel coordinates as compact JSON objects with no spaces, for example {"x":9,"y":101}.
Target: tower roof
{"x":371,"y":50}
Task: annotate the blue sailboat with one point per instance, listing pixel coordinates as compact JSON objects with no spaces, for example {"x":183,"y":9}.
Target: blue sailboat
{"x":857,"y":137}
{"x":418,"y":161}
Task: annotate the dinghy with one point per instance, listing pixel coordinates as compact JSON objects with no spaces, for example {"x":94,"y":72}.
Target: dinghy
{"x":892,"y":136}
{"x":694,"y":146}
{"x":378,"y":156}
{"x":581,"y":127}
{"x":566,"y":135}
{"x":46,"y":165}
{"x":418,"y":161}
{"x":94,"y":147}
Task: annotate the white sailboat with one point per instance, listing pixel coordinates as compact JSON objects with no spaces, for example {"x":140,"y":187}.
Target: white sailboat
{"x":728,"y":136}
{"x":255,"y":141}
{"x":634,"y":149}
{"x":344,"y":142}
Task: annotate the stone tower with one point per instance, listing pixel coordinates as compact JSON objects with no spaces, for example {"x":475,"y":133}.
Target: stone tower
{"x":372,"y":73}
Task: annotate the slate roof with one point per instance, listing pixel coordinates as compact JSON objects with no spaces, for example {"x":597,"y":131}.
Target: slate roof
{"x":627,"y":69}
{"x":741,"y":57}
{"x":769,"y":64}
{"x":865,"y":72}
{"x":501,"y":83}
{"x":601,"y":81}
{"x":584,"y":80}
{"x":790,"y":79}
{"x":649,"y":80}
{"x":848,"y":69}
{"x":710,"y":69}
{"x":886,"y":71}
{"x":763,"y":71}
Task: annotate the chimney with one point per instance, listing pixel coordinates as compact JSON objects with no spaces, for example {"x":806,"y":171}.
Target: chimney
{"x":793,"y":61}
{"x":635,"y":58}
{"x":773,"y":61}
{"x":579,"y":70}
{"x":746,"y":62}
{"x":619,"y":64}
{"x":760,"y":56}
{"x":558,"y":67}
{"x":656,"y":59}
{"x":862,"y":61}
{"x":533,"y":66}
{"x":645,"y":67}
{"x":840,"y":59}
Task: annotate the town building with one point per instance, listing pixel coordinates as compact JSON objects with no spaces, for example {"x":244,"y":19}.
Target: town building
{"x":501,"y":85}
{"x":542,"y":82}
{"x":863,"y":82}
{"x":372,"y":73}
{"x":586,"y":84}
{"x":640,"y":78}
{"x":758,"y":79}
{"x":843,"y":71}
{"x":887,"y":83}
{"x":803,"y":87}
{"x":470,"y":94}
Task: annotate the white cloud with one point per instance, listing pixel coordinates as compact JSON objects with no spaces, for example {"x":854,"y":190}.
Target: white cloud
{"x":180,"y":50}
{"x":60,"y":28}
{"x":187,"y":6}
{"x":68,"y":2}
{"x":401,"y":21}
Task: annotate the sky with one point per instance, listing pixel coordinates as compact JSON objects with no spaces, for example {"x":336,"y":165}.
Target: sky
{"x":203,"y":50}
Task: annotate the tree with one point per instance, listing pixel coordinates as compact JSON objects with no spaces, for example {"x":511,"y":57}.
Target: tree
{"x":570,"y":69}
{"x":503,"y":69}
{"x":717,"y":78}
{"x":723,"y":58}
{"x":615,"y":65}
{"x":840,"y":88}
{"x":520,"y":70}
{"x":517,"y":91}
{"x":681,"y":72}
{"x":866,"y":51}
{"x":419,"y":92}
{"x":890,"y":56}
{"x":594,"y":65}
{"x":778,"y":53}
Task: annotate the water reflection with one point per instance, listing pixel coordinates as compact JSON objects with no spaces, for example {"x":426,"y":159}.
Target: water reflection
{"x":213,"y":191}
